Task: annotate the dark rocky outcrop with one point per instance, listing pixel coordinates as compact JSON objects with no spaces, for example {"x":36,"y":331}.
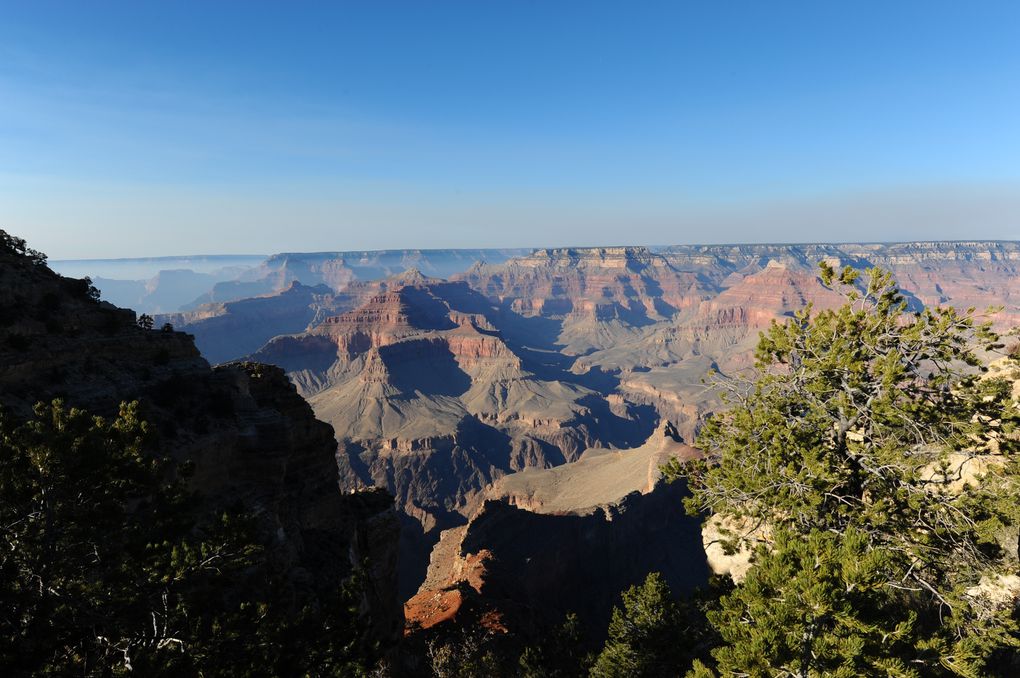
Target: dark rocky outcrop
{"x":252,"y":440}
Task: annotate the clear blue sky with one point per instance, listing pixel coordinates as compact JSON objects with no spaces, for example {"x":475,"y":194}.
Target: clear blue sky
{"x":145,"y":128}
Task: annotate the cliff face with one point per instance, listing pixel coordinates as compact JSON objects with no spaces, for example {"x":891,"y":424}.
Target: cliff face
{"x":596,"y":294}
{"x":752,"y":302}
{"x":251,"y":438}
{"x":956,"y":273}
{"x":664,"y":365}
{"x":564,"y":540}
{"x":233,"y":329}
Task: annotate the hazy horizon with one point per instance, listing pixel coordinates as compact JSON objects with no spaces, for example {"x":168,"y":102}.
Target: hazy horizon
{"x":652,"y":247}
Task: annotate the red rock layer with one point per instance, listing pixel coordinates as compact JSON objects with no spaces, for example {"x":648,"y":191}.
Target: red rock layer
{"x":757,"y":299}
{"x":599,"y":283}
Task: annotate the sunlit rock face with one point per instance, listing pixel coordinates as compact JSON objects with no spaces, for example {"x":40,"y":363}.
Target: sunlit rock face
{"x":597,"y":295}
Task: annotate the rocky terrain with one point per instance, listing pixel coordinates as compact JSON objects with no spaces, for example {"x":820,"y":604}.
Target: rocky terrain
{"x":430,"y":400}
{"x":252,"y":440}
{"x":505,"y":403}
{"x":289,"y":293}
{"x":437,"y":389}
{"x":228,"y":331}
{"x":594,"y":297}
{"x":566,"y":539}
{"x":337,"y":270}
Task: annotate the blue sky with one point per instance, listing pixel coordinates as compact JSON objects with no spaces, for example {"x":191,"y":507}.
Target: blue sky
{"x":146,"y":129}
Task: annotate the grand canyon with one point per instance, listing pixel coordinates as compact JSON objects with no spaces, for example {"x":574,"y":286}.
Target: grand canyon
{"x":447,"y":375}
{"x":483,"y":434}
{"x":509,"y":340}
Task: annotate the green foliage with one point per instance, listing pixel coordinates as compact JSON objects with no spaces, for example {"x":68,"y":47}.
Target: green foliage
{"x":91,"y":292}
{"x":105,"y":568}
{"x":851,"y":446}
{"x":818,"y":606}
{"x":649,"y":636}
{"x":13,"y":245}
{"x":561,"y":655}
{"x":468,"y":654}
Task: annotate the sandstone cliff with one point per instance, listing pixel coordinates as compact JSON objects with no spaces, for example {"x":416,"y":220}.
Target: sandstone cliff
{"x":597,"y":295}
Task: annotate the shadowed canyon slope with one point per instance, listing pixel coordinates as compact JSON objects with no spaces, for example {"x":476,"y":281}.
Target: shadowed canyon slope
{"x":252,"y":441}
{"x":229,"y":330}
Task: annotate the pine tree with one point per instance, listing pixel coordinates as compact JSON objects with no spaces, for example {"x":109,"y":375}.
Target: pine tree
{"x":106,"y":568}
{"x":646,"y":634}
{"x":562,"y":654}
{"x":818,"y":606}
{"x":854,"y":446}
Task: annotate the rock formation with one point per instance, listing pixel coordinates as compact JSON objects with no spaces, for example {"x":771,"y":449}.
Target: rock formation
{"x":597,"y":295}
{"x":338,"y":270}
{"x":251,"y":438}
{"x":429,"y":400}
{"x":566,"y":539}
{"x":437,"y":389}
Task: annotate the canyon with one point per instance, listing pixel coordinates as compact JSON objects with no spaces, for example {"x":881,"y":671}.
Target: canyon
{"x":517,"y":404}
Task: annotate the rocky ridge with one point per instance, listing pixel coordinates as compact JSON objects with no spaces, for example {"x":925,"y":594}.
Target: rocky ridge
{"x":338,"y":270}
{"x":597,"y":295}
{"x":228,"y":331}
{"x":252,"y":440}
